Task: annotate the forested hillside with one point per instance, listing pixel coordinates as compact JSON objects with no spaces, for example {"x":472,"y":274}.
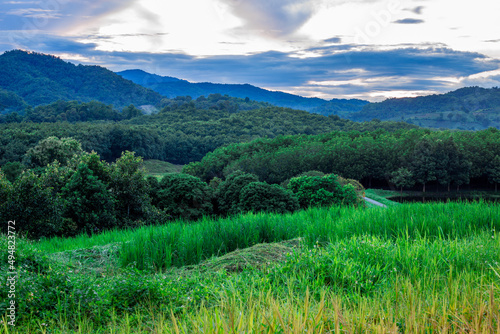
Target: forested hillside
{"x":178,"y":135}
{"x":471,"y":108}
{"x":41,"y":79}
{"x":172,"y":87}
{"x":404,"y":157}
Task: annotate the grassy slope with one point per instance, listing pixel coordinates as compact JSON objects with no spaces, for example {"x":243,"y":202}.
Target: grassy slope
{"x":381,"y":196}
{"x":159,"y":168}
{"x":406,"y":268}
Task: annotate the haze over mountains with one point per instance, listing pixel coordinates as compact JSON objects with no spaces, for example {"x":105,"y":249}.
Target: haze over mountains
{"x":172,"y":87}
{"x":28,"y":78}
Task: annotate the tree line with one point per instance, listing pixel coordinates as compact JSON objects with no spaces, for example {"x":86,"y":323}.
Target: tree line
{"x":402,"y":158}
{"x":66,"y":191}
{"x":178,"y":134}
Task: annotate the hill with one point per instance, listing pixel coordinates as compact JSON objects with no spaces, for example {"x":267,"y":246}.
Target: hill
{"x":41,"y":79}
{"x":172,"y":87}
{"x":470,"y":108}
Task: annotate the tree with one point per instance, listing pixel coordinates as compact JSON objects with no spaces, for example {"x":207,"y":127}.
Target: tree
{"x":228,"y":193}
{"x":423,"y":163}
{"x":129,"y":186}
{"x":131,"y":111}
{"x":89,"y":204}
{"x":38,"y":213}
{"x":493,"y":172}
{"x":184,"y":196}
{"x":402,"y":178}
{"x":53,"y":148}
{"x":261,"y":196}
{"x":5,"y":193}
{"x":322,"y":191}
{"x":12,"y":170}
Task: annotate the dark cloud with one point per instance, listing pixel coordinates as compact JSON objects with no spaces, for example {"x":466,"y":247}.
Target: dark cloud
{"x":493,"y":41}
{"x":272,"y":17}
{"x":335,"y":40}
{"x":353,"y":72}
{"x":409,"y":21}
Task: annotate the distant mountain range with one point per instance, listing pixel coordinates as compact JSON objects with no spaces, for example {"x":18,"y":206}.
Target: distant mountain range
{"x":29,"y":78}
{"x":470,"y":108}
{"x":172,"y":87}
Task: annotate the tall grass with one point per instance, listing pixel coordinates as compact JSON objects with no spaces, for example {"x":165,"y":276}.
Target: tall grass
{"x":180,"y":244}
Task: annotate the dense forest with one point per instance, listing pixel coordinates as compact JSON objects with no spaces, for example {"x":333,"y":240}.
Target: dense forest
{"x":42,"y":79}
{"x":180,"y":133}
{"x":403,"y":158}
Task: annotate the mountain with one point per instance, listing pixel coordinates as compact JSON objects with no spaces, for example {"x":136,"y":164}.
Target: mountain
{"x":173,"y":87}
{"x":470,"y":108}
{"x":41,"y":79}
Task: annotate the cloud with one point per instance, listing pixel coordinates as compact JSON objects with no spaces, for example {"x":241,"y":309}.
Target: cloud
{"x":493,"y":41}
{"x":409,"y":21}
{"x":417,"y":10}
{"x":272,"y":17}
{"x":35,"y":13}
{"x":336,"y":70}
{"x":335,"y":40}
{"x":55,"y":14}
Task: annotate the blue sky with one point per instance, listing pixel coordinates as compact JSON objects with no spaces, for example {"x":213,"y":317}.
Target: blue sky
{"x":369,"y":49}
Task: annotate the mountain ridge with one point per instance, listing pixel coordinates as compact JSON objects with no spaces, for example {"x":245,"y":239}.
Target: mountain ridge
{"x":173,"y":88}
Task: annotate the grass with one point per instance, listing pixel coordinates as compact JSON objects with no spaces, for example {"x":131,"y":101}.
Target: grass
{"x":417,"y":268}
{"x":382,"y":196}
{"x":159,"y":168}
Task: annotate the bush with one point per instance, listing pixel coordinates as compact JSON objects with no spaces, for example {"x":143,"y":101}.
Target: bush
{"x":228,"y":193}
{"x":53,"y":148}
{"x":260,"y":196}
{"x":184,"y":196}
{"x":322,"y":191}
{"x":130,"y":187}
{"x":35,"y":208}
{"x":88,"y":202}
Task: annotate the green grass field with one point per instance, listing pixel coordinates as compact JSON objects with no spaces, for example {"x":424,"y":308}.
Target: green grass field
{"x":412,"y":268}
{"x":159,"y":168}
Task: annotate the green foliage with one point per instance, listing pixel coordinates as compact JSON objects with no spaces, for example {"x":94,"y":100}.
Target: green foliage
{"x":260,"y":196}
{"x":131,"y":111}
{"x":12,"y":170}
{"x":184,"y":196}
{"x":228,"y":192}
{"x":73,"y":111}
{"x":322,"y":191}
{"x":41,"y":79}
{"x":403,"y":178}
{"x":493,"y":170}
{"x":129,"y":187}
{"x":89,"y":204}
{"x":53,"y":148}
{"x":469,"y":108}
{"x":34,"y":207}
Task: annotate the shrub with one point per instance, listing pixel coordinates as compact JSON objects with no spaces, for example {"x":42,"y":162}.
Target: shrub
{"x":322,"y":191}
{"x":88,"y":203}
{"x":184,"y":196}
{"x":52,"y":148}
{"x":260,"y":196}
{"x":35,"y":208}
{"x":228,"y":193}
{"x":129,"y":186}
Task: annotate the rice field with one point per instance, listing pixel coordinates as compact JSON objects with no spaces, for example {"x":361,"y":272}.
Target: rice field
{"x":412,"y":268}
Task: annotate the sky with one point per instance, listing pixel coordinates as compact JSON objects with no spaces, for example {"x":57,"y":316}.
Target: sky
{"x":367,"y":49}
